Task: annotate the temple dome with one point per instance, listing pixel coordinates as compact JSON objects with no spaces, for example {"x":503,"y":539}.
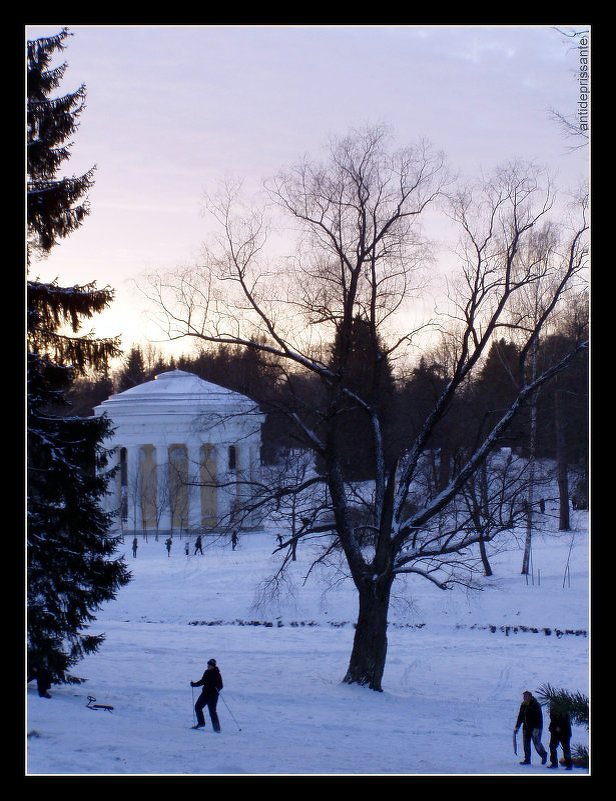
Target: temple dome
{"x":176,"y":392}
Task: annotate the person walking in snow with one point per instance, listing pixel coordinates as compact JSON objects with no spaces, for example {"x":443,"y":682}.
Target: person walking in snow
{"x":198,"y":546}
{"x":560,"y":734}
{"x":43,"y":679}
{"x":211,"y":682}
{"x":234,"y":540}
{"x":186,"y":548}
{"x":135,"y":544}
{"x":530,"y":718}
{"x":168,"y":543}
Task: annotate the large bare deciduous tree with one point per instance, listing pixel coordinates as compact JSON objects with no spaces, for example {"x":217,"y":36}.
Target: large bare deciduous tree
{"x":360,"y":256}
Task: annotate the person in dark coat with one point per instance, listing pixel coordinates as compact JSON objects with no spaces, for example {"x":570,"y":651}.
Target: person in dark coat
{"x":43,"y":679}
{"x":211,"y":682}
{"x":198,"y":546}
{"x":560,"y":734}
{"x":530,"y":718}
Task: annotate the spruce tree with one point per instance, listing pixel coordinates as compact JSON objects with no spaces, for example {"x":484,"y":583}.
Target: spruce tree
{"x":53,"y":203}
{"x":576,"y":705}
{"x":133,"y":373}
{"x":70,"y":552}
{"x":359,"y":358}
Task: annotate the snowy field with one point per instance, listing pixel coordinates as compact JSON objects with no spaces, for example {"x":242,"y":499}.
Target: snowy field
{"x":456,"y":668}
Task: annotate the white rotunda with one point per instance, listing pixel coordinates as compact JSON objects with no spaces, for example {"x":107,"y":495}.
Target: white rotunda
{"x":187,"y":452}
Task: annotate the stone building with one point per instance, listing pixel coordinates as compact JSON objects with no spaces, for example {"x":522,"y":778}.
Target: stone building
{"x":187,"y":450}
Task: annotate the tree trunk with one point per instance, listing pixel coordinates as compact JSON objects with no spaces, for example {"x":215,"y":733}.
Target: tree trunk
{"x":532,"y":456}
{"x":487,"y":568}
{"x":530,"y":496}
{"x":483,"y":494}
{"x":367,"y":661}
{"x":564,"y":523}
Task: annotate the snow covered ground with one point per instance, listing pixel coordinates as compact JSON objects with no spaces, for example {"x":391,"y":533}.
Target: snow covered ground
{"x":456,"y":668}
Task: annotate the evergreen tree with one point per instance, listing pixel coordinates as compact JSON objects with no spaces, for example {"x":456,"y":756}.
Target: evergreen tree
{"x":53,"y":204}
{"x":576,"y":705}
{"x":495,"y":388}
{"x":71,"y":569}
{"x":133,"y":373}
{"x":366,"y":372}
{"x":87,"y":393}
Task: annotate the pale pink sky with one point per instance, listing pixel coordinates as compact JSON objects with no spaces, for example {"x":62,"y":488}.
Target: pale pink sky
{"x":173,"y":109}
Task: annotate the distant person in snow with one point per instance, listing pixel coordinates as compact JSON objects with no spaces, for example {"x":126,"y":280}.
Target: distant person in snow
{"x":198,"y":546}
{"x":168,"y":543}
{"x":560,"y":734}
{"x":186,"y":548}
{"x":234,"y":540}
{"x":43,"y":680}
{"x":135,"y":544}
{"x":531,"y":720}
{"x":211,"y":682}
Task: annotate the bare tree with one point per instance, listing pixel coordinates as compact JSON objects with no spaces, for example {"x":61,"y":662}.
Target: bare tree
{"x":361,"y":253}
{"x":495,"y":500}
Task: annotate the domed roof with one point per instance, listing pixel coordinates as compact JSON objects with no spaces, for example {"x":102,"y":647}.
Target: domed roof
{"x":176,"y":391}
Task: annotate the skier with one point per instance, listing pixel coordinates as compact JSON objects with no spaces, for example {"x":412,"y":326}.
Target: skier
{"x":43,"y":680}
{"x":168,"y":543}
{"x":531,"y":720}
{"x":135,"y":544}
{"x":211,"y":682}
{"x":560,"y":733}
{"x":198,"y":546}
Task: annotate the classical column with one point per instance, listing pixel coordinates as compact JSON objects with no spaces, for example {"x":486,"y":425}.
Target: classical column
{"x":242,"y":474}
{"x":194,"y":489}
{"x":113,"y":501}
{"x":178,"y":486}
{"x":133,"y":506}
{"x":163,"y":504}
{"x":208,"y":479}
{"x":148,"y":489}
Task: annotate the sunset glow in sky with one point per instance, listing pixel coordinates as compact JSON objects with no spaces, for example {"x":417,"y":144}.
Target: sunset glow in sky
{"x":171,"y":110}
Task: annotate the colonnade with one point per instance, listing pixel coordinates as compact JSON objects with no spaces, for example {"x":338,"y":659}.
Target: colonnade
{"x":177,"y":487}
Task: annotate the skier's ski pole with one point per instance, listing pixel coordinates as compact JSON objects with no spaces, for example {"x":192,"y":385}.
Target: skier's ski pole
{"x":230,"y":712}
{"x":192,"y":692}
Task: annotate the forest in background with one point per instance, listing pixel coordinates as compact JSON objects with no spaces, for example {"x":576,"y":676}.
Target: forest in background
{"x":562,"y":406}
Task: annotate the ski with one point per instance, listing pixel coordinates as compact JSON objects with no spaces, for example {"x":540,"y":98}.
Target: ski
{"x":203,"y":728}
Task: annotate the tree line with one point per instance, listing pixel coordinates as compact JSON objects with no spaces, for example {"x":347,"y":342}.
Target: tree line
{"x":405,"y":395}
